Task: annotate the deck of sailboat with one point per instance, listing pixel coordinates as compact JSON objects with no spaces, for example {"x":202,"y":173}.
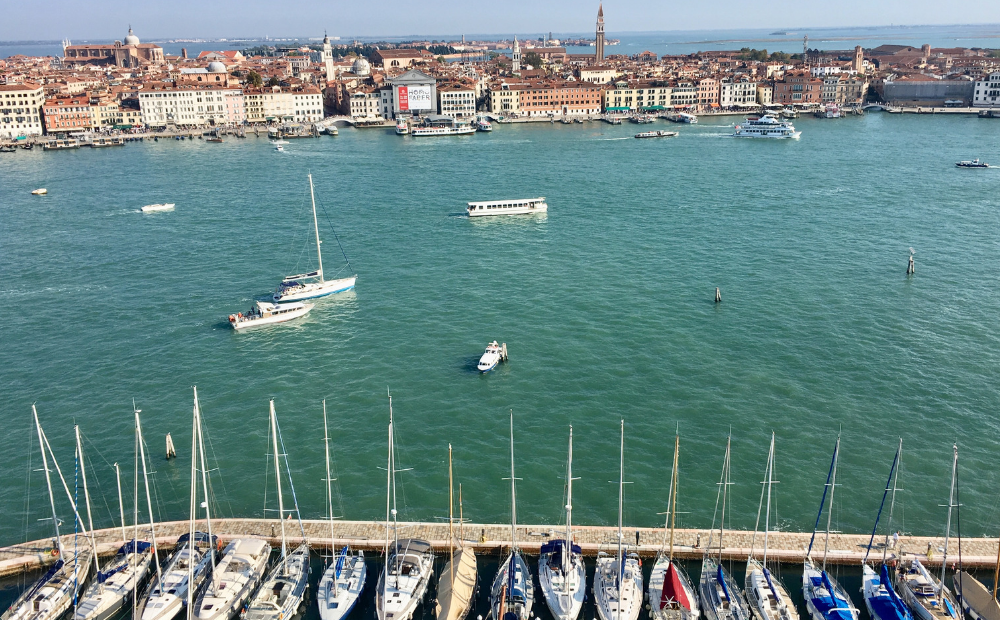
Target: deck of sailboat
{"x":786,"y":547}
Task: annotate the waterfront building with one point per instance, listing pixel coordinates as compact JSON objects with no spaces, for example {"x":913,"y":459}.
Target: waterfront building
{"x":684,"y":94}
{"x":412,"y":93}
{"x":66,"y":113}
{"x":515,"y":65}
{"x":559,"y":99}
{"x":987,"y":91}
{"x":599,"y":40}
{"x":852,"y":89}
{"x":131,"y":53}
{"x":765,"y":93}
{"x":920,"y":89}
{"x":629,"y":97}
{"x":457,"y":100}
{"x":740,"y":93}
{"x":598,"y":74}
{"x":303,"y":104}
{"x":797,"y":88}
{"x":20,"y":110}
{"x":364,"y":104}
{"x":708,"y":92}
{"x":506,"y":100}
{"x":171,"y":105}
{"x":104,"y":111}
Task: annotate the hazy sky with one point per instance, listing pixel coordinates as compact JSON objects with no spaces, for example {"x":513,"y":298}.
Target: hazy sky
{"x":109,"y":19}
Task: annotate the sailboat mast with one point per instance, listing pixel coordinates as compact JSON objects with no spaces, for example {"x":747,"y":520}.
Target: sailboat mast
{"x":86,"y":494}
{"x":567,"y":552}
{"x":451,"y":518}
{"x":621,"y":497}
{"x":388,"y":495}
{"x":947,"y":527}
{"x":192,"y":511}
{"x":673,"y":496}
{"x":277,"y":477}
{"x":329,"y":494}
{"x":319,"y":253}
{"x":121,"y":505}
{"x":392,"y":469}
{"x":767,"y":515}
{"x":892,"y":502}
{"x":204,"y":480}
{"x":833,"y":489}
{"x":513,"y":495}
{"x":461,"y":517}
{"x":725,"y":492}
{"x":48,"y":482}
{"x":149,"y":499}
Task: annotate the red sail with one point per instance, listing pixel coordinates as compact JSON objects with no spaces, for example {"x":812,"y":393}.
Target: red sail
{"x":673,"y":593}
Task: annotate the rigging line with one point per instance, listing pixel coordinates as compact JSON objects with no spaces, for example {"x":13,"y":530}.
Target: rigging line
{"x":267,"y":471}
{"x":335,"y":236}
{"x":27,"y":484}
{"x":97,"y":479}
{"x":881,"y":506}
{"x":822,"y":503}
{"x":222,"y":481}
{"x":291,"y":485}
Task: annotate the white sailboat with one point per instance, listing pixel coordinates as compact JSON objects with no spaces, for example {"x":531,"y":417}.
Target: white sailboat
{"x":720,"y":596}
{"x":309,"y":285}
{"x":280,"y":596}
{"x":344,"y":577}
{"x":194,"y":555}
{"x":561,"y":571}
{"x":234,"y":579}
{"x":824,"y":597}
{"x":767,"y":596}
{"x":926,"y":595}
{"x":112,"y":588}
{"x":457,"y":584}
{"x":513,"y":592}
{"x":671,"y":594}
{"x":53,"y":594}
{"x":409,"y":563}
{"x":618,"y":580}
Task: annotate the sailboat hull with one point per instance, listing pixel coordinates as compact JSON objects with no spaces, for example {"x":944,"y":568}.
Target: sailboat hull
{"x":454,"y":597}
{"x":721,"y":598}
{"x":312,"y":290}
{"x":52,"y":595}
{"x":825,"y":599}
{"x":280,"y":596}
{"x":678,"y":601}
{"x":350,"y":581}
{"x":919,"y":590}
{"x":102,"y":599}
{"x":512,"y":595}
{"x":614,"y":603}
{"x":564,"y":592}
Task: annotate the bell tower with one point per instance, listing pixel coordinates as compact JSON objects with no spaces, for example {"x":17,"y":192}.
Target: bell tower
{"x":599,"y":41}
{"x":515,"y":66}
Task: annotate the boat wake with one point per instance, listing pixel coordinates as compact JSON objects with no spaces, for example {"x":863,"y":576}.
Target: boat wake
{"x":610,"y":139}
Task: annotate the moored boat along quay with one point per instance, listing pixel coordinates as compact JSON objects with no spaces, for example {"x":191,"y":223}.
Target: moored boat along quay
{"x":788,"y":547}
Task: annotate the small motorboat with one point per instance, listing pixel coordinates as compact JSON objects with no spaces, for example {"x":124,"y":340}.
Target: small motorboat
{"x":402,"y":128}
{"x":975,"y":163}
{"x":495,"y":353}
{"x":264,"y":313}
{"x":167,"y":206}
{"x":483,"y":125}
{"x":656,"y":134}
{"x":41,"y":191}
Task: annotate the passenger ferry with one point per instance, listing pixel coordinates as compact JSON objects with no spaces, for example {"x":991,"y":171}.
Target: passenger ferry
{"x":656,"y":134}
{"x":766,"y":127}
{"x":402,"y":128}
{"x":455,"y":130}
{"x":508,"y":207}
{"x":483,"y":124}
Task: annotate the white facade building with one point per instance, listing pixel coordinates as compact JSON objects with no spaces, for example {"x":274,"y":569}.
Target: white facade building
{"x":282,"y":104}
{"x":457,"y":101}
{"x":21,"y":110}
{"x":365,"y":105}
{"x":987,"y":92}
{"x":737,"y":94}
{"x":191,"y":106}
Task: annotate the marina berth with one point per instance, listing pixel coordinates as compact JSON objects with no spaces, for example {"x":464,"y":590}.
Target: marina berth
{"x":507,"y":207}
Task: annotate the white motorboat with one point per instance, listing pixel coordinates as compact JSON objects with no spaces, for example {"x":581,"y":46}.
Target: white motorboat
{"x":402,"y":127}
{"x":281,"y":595}
{"x":966,"y":163}
{"x":684,"y":117}
{"x":618,"y":579}
{"x":507,"y":207}
{"x":344,"y":577}
{"x":234,"y":579}
{"x":825,"y":598}
{"x":721,"y":598}
{"x":561,"y":571}
{"x":166,"y":206}
{"x":671,"y":594}
{"x":513,"y":590}
{"x":41,"y":191}
{"x":265,"y":313}
{"x":409,"y":562}
{"x":168,"y":592}
{"x":446,"y":130}
{"x":495,"y":353}
{"x":280,"y":148}
{"x":457,"y":584}
{"x":768,"y":598}
{"x":310,"y":285}
{"x":656,"y":134}
{"x":766,"y":127}
{"x":484,"y":125}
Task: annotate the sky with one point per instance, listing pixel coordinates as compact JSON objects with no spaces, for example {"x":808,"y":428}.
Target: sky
{"x":109,"y":19}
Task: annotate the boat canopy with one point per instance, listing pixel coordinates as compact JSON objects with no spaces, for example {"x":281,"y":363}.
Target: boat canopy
{"x":619,"y":109}
{"x":889,"y":606}
{"x":826,"y":602}
{"x":413,"y":545}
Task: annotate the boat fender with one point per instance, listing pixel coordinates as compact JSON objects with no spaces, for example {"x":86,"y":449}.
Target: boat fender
{"x":55,"y":552}
{"x":218,"y":546}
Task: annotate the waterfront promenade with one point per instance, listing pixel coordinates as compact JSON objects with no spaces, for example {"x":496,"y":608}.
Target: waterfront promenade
{"x":790,"y":547}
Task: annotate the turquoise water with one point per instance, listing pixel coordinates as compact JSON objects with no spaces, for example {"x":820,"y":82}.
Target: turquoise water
{"x":605,"y":305}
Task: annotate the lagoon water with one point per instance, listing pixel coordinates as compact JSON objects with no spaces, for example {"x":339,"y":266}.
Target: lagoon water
{"x":605,"y":305}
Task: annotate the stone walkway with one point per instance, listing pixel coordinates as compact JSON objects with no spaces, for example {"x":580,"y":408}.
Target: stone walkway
{"x":785,"y":546}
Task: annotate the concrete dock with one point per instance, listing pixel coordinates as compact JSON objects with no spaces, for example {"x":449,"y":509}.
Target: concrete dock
{"x":492,"y":538}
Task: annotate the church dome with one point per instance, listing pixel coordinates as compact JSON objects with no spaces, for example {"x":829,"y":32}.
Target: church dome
{"x":131,"y":39}
{"x":216,"y":67}
{"x":361,"y":67}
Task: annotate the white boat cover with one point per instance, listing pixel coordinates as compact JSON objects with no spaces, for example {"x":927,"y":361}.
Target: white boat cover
{"x":977,"y":596}
{"x":454,"y":602}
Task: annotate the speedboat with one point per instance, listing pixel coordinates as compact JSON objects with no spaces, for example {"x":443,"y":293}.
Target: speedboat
{"x":233,"y":580}
{"x":39,"y":192}
{"x":402,"y":128}
{"x":766,"y":127}
{"x":341,"y":585}
{"x":975,"y":163}
{"x":265,"y":313}
{"x":114,"y":585}
{"x":924,"y":594}
{"x":280,"y":597}
{"x":166,"y":206}
{"x":491,"y":357}
{"x":483,"y":125}
{"x":404,"y":580}
{"x":882,"y":601}
{"x":166,"y":597}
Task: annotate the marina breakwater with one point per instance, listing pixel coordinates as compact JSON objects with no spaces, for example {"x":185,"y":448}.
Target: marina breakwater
{"x":788,"y":547}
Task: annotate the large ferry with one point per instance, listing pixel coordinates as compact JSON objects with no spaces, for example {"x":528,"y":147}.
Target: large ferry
{"x":508,"y":207}
{"x":455,"y":130}
{"x":766,"y":127}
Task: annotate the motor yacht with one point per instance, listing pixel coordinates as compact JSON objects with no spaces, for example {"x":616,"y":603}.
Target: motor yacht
{"x":483,"y":125}
{"x":265,"y":313}
{"x":495,"y":353}
{"x":402,"y":128}
{"x":766,"y":127}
